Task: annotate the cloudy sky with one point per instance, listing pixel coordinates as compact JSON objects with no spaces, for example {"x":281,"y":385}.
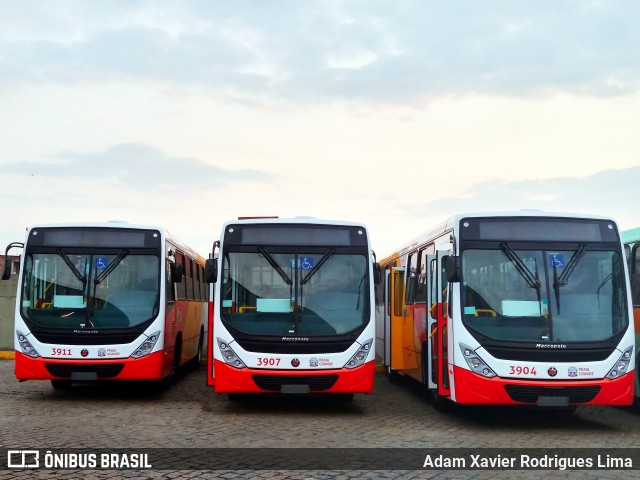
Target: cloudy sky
{"x":394,"y":113}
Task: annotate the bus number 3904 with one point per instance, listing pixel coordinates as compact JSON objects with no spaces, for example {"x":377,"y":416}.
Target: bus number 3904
{"x":268,"y":362}
{"x":518,"y":370}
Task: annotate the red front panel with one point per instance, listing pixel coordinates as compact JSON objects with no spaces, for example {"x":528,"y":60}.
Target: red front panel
{"x":233,"y":380}
{"x":145,"y":368}
{"x":474,"y":389}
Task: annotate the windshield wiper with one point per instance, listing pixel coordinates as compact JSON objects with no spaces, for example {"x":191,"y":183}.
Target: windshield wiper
{"x":72,"y":267}
{"x":112,"y":266}
{"x":317,"y":266}
{"x":275,"y":266}
{"x":532,"y":280}
{"x":562,"y":279}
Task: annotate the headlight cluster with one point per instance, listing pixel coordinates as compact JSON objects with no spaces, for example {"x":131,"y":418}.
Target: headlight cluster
{"x":228,"y":355}
{"x":476,"y":364}
{"x":622,"y":365}
{"x":360,"y":356}
{"x":147,"y":346}
{"x":26,"y":346}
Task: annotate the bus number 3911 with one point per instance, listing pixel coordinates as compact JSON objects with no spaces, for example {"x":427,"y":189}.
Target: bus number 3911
{"x":268,"y":362}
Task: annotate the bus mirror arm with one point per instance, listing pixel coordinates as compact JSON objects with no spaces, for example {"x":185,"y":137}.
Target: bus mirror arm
{"x":211,"y":270}
{"x":452,"y":267}
{"x":6,"y":274}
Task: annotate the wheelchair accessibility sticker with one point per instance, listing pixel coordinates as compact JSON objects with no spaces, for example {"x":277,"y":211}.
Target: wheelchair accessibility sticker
{"x":306,"y":263}
{"x":556,"y":260}
{"x":101,"y":263}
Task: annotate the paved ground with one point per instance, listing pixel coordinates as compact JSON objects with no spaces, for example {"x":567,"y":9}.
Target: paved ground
{"x":191,"y":415}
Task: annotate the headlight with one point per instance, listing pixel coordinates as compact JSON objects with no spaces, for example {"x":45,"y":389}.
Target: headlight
{"x":622,"y":365}
{"x":476,"y":364}
{"x":228,"y":355}
{"x":26,"y":346}
{"x":147,"y":346}
{"x":360,"y":356}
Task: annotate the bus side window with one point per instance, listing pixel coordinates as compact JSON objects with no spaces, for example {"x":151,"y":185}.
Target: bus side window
{"x":169,"y":285}
{"x":412,"y":278}
{"x":181,"y":287}
{"x":420,"y":295}
{"x":398,"y":293}
{"x":634,"y":275}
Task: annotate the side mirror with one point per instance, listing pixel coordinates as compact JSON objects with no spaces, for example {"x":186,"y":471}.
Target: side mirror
{"x":176,"y":273}
{"x":211,"y":270}
{"x":453,"y":268}
{"x":6,"y":274}
{"x":377,"y":274}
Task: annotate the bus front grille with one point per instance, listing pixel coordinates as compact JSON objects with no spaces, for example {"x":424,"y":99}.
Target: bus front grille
{"x":274,"y":383}
{"x":64,"y":370}
{"x":530,"y":394}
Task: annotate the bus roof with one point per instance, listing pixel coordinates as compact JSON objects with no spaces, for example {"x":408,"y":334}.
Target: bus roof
{"x":124,"y":225}
{"x":454,"y":219}
{"x":292,"y":220}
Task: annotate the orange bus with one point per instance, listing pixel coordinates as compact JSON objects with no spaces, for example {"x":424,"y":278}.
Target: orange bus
{"x":107,"y":301}
{"x":507,"y":308}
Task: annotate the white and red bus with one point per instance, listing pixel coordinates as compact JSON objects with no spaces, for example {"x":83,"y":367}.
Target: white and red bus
{"x":292,"y":308}
{"x":107,"y":301}
{"x":525,"y":308}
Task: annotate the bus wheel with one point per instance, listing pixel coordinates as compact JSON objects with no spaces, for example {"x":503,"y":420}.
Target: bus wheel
{"x":61,"y":384}
{"x":440,"y":403}
{"x":393,"y":375}
{"x":343,"y":398}
{"x":170,"y":379}
{"x":197,"y":360}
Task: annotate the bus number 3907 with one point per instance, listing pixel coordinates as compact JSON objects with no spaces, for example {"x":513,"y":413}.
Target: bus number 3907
{"x":268,"y":362}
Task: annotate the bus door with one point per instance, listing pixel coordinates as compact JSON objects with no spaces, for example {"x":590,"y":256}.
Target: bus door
{"x":442,"y":331}
{"x":430,"y":361}
{"x":385,"y":333}
{"x":396,"y":318}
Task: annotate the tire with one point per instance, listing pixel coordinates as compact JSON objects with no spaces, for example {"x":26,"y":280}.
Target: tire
{"x":61,"y":384}
{"x":170,"y":379}
{"x":440,"y":403}
{"x":196,"y":361}
{"x":393,"y":376}
{"x":343,"y":398}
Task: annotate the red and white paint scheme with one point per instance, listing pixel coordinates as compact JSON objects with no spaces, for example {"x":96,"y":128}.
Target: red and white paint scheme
{"x":107,"y":301}
{"x":292,"y":308}
{"x":520,"y":308}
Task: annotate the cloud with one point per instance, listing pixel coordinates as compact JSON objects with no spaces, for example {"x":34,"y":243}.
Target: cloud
{"x":137,"y":166}
{"x":609,"y":192}
{"x":375,"y":51}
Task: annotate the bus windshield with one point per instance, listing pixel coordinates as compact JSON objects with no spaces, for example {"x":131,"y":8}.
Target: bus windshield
{"x":564,"y":295}
{"x":308,"y":292}
{"x":64,"y":289}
